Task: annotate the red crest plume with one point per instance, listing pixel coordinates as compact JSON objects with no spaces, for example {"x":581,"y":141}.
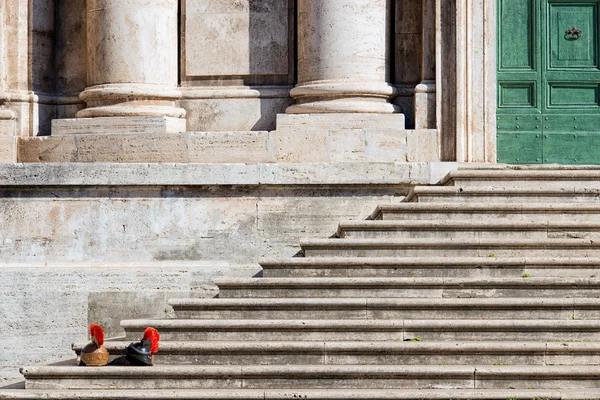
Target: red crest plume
{"x":97,"y":332}
{"x":152,"y":334}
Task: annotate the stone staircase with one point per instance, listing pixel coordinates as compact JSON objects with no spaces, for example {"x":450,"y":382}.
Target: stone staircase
{"x":485,"y":287}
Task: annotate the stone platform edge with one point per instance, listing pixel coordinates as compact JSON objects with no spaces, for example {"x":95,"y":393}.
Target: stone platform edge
{"x":282,"y":146}
{"x":220,"y":174}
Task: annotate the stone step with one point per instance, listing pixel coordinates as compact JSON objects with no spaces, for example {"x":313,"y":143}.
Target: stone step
{"x":409,"y":287}
{"x":480,"y":195}
{"x":387,"y":308}
{"x":524,"y":178}
{"x":459,"y":229}
{"x":313,"y":394}
{"x":314,"y":377}
{"x":367,"y":330}
{"x":382,"y":352}
{"x":511,"y":330}
{"x":415,"y":267}
{"x":490,"y":248}
{"x":557,"y":212}
{"x":273,"y":330}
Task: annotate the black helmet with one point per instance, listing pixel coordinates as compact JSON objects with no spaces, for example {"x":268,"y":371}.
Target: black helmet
{"x":141,"y":352}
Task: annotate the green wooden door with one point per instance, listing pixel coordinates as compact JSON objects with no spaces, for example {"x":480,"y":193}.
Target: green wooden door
{"x":548,"y":82}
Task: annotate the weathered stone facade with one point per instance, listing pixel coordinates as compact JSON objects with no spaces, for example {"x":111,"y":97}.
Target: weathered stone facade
{"x":289,"y":114}
{"x":430,"y":64}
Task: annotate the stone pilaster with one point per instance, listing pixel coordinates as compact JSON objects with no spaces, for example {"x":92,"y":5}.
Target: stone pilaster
{"x":475,"y":77}
{"x":343,"y":57}
{"x":132,"y":59}
{"x":8,"y":140}
{"x":425,"y":102}
{"x":7,"y":121}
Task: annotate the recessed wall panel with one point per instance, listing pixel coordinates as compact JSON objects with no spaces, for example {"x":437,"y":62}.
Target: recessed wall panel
{"x":236,"y":37}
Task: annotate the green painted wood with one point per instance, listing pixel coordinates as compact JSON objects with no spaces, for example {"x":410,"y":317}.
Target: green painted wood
{"x":520,"y":148}
{"x":548,"y":81}
{"x":517,"y":94}
{"x":572,"y":148}
{"x":516,"y":34}
{"x":519,"y":138}
{"x":574,"y":52}
{"x":570,"y":94}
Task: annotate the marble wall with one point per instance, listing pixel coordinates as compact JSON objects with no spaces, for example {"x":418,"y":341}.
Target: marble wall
{"x":237,"y":63}
{"x":237,"y":60}
{"x":236,"y":38}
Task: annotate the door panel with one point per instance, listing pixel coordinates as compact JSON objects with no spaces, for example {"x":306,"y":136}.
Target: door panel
{"x":572,"y":148}
{"x":518,"y":94}
{"x":571,"y":95}
{"x":517,"y":34}
{"x":519,"y":71}
{"x":549,"y":106}
{"x":577,"y":49}
{"x":520,"y":148}
{"x":571,"y":79}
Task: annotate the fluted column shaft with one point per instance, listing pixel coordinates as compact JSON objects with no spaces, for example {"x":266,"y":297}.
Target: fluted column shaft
{"x":132,"y":59}
{"x":343,"y":57}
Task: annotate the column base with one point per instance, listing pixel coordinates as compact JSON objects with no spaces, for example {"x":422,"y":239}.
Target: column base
{"x":117,"y":125}
{"x":343,"y":97}
{"x":130,"y":100}
{"x":291,"y":122}
{"x":425,"y":105}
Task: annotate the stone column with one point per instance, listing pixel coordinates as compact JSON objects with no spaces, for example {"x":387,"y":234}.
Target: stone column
{"x":132,"y":59}
{"x":343,"y":57}
{"x":425,"y":103}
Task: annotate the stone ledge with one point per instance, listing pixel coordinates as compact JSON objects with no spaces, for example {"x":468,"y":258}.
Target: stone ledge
{"x":282,"y":146}
{"x":316,"y":394}
{"x":122,"y":174}
{"x":451,"y":348}
{"x":340,"y":121}
{"x":117,"y":125}
{"x":110,"y":268}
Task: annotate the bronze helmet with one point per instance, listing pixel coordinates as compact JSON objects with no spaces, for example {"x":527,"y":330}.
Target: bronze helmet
{"x":94,"y":354}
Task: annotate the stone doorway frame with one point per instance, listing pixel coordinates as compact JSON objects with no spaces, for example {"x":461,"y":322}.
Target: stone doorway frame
{"x":466,"y":75}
